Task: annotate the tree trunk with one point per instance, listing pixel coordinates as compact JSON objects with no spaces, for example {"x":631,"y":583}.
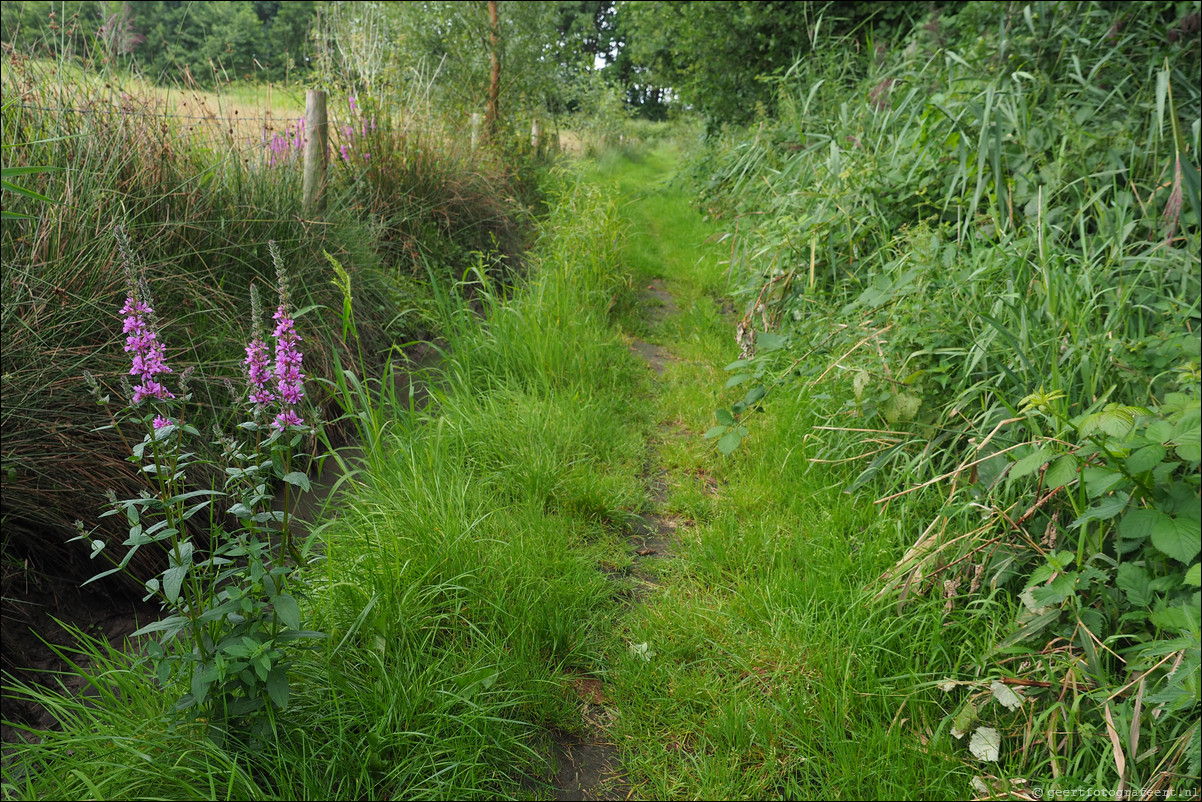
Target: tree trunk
{"x":494,"y":80}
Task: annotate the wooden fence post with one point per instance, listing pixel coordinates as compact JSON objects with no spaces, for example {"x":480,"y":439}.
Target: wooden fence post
{"x":536,"y":131}
{"x":316,"y":152}
{"x":475,"y":129}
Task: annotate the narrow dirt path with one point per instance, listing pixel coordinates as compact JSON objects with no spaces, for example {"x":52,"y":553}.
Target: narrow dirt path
{"x":589,"y":767}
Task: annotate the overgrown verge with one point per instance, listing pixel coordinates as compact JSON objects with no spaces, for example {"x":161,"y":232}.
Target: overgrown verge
{"x":977,"y":249}
{"x":200,"y":212}
{"x":458,"y":586}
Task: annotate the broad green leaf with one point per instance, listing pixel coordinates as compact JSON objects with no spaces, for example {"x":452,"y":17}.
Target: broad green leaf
{"x":298,"y":479}
{"x":200,"y":686}
{"x":1104,"y":510}
{"x":1176,"y":537}
{"x":288,"y":611}
{"x":1181,"y":618}
{"x":277,"y":686}
{"x":716,"y":431}
{"x":1190,"y":451}
{"x":1099,"y":481}
{"x":1056,"y":591}
{"x":767,"y":341}
{"x":1134,"y":581}
{"x":1031,"y":463}
{"x":1193,"y":577}
{"x":724,"y":417}
{"x":1061,"y":472}
{"x":1138,"y":524}
{"x":173,"y":579}
{"x":730,"y":441}
{"x":964,"y":720}
{"x":737,"y":379}
{"x":1145,"y":459}
{"x":754,"y":395}
{"x":1160,"y":431}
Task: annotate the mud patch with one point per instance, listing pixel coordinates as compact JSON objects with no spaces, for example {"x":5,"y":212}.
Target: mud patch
{"x":586,"y":769}
{"x":658,"y":302}
{"x":655,"y":356}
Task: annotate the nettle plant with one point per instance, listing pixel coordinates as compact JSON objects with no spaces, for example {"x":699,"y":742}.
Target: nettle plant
{"x":1111,"y":601}
{"x":232,"y":611}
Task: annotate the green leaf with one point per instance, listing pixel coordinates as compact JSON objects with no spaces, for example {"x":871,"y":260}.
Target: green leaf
{"x":1193,"y":577}
{"x":1138,"y":524}
{"x":1145,"y":459}
{"x":1104,"y":510}
{"x":754,"y":395}
{"x":1176,"y":537}
{"x":1061,"y":472}
{"x":964,"y":720}
{"x":1099,"y":481}
{"x":200,"y":684}
{"x":716,"y":431}
{"x":1182,"y":618}
{"x":1160,"y":431}
{"x":767,"y":341}
{"x":298,"y":479}
{"x":169,"y":626}
{"x":173,"y":580}
{"x":277,"y":686}
{"x":288,"y":611}
{"x":1031,"y":463}
{"x":1055,"y":592}
{"x":730,"y":441}
{"x":725,"y":418}
{"x":1134,"y":581}
{"x":738,"y":379}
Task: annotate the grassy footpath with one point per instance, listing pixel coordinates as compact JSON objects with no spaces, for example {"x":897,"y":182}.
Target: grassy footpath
{"x":773,"y":674}
{"x":479,"y":574}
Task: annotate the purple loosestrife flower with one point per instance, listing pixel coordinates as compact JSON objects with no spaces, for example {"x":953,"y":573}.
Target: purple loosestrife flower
{"x":143,"y":343}
{"x":160,"y":421}
{"x":288,"y":358}
{"x":258,"y":369}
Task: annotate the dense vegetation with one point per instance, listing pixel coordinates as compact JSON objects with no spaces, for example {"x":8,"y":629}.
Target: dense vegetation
{"x":976,"y":247}
{"x":940,"y":533}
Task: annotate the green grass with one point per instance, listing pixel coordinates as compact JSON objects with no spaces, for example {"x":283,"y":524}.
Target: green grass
{"x":970,"y":286}
{"x":458,"y":584}
{"x":773,"y":673}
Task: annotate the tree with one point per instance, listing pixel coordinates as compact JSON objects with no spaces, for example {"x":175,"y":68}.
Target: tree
{"x":714,"y":55}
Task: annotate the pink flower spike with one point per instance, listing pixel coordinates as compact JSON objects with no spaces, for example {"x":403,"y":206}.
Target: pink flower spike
{"x":287,"y":418}
{"x":160,"y":422}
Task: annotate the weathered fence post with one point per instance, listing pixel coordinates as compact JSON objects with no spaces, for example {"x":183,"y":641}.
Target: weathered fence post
{"x":475,"y":129}
{"x":316,"y":152}
{"x":536,"y":131}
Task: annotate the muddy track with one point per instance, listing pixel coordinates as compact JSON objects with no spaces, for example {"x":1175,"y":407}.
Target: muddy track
{"x":587,"y":765}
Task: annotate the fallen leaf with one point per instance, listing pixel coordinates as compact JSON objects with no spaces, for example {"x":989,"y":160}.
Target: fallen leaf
{"x":1006,"y":697}
{"x":986,"y":744}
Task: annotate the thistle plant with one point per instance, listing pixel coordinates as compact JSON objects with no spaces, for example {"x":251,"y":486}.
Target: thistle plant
{"x":231,"y":613}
